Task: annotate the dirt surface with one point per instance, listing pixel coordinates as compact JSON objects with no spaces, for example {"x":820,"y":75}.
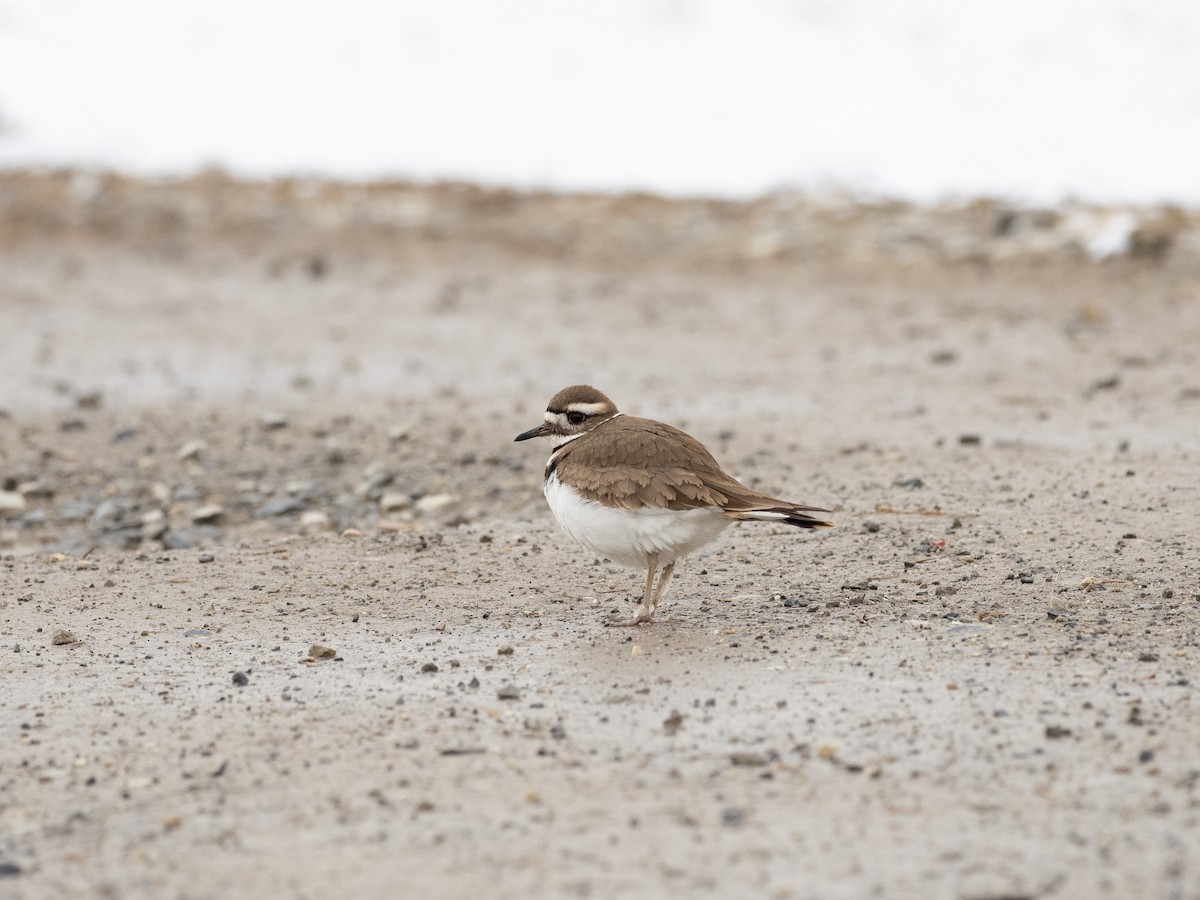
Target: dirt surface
{"x":283,"y":612}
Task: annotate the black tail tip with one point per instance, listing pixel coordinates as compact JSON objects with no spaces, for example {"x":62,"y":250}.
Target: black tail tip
{"x":807,"y":522}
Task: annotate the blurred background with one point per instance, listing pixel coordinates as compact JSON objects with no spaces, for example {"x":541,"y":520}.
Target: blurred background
{"x":1035,"y":101}
{"x":410,"y":200}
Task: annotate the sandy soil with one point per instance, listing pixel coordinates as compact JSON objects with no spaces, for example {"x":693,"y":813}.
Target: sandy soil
{"x":222,"y":446}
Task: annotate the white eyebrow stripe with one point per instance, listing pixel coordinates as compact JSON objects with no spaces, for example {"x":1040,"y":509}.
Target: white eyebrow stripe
{"x":588,"y":409}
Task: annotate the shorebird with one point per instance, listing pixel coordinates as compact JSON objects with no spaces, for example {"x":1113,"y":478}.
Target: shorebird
{"x":642,"y":493}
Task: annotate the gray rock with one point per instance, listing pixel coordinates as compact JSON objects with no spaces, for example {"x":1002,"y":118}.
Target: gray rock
{"x":279,"y":506}
{"x":375,"y":477}
{"x":177,"y":539}
{"x":192,"y":450}
{"x":967,"y":629}
{"x":74,"y":511}
{"x":106,"y":515}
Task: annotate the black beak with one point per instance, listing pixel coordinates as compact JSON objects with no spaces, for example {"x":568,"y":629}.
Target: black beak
{"x":540,"y":431}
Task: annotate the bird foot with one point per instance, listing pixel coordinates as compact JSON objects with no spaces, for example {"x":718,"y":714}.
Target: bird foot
{"x":645,"y":616}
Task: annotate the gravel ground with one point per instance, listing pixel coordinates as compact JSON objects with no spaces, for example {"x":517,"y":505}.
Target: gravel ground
{"x":283,"y":612}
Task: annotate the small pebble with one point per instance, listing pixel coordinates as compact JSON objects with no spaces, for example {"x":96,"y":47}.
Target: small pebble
{"x":505,"y":651}
{"x":508,"y":692}
{"x":210,"y":512}
{"x":62,"y":636}
{"x":733,"y":816}
{"x":744,"y":758}
{"x":429,"y":667}
{"x":241,"y":679}
{"x":192,"y":450}
{"x":206,"y":557}
{"x":177,"y":539}
{"x":392,"y":502}
{"x":279,"y":506}
{"x":273,"y":420}
{"x":315,"y":521}
{"x":432,"y":503}
{"x":320,"y":651}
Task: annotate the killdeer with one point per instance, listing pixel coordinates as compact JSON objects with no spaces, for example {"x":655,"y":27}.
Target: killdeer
{"x":642,"y":493}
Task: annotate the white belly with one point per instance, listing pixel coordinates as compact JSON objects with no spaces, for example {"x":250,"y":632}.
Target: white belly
{"x":629,"y":536}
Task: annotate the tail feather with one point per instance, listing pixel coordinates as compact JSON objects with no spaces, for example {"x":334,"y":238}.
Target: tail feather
{"x":797,"y":516}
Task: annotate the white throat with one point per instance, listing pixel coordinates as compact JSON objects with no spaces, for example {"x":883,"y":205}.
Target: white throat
{"x":567,"y":438}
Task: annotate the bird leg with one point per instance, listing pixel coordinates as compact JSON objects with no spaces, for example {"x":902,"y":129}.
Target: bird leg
{"x":645,"y":612}
{"x":664,"y":579}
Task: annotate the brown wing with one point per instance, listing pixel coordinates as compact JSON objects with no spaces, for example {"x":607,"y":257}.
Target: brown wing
{"x":630,"y":462}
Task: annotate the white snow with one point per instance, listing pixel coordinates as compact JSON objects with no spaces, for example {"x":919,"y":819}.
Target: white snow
{"x":1035,"y":100}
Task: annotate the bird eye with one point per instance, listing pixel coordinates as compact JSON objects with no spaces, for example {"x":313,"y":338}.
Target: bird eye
{"x":575,"y":418}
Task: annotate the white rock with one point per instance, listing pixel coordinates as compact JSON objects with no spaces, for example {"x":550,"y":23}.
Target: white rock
{"x":11,"y":501}
{"x":154,"y":523}
{"x":432,"y":503}
{"x":392,"y":502}
{"x":210,"y":512}
{"x":314,"y":521}
{"x":401,"y":432}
